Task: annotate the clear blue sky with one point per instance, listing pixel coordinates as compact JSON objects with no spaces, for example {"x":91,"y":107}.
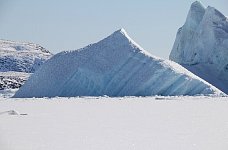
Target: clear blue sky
{"x":71,"y":24}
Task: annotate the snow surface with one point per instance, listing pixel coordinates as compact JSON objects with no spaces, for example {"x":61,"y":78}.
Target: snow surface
{"x":102,"y":123}
{"x":115,"y":66}
{"x":201,"y":45}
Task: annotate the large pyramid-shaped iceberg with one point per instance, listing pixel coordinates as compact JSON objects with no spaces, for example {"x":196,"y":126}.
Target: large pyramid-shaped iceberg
{"x":201,"y":45}
{"x":115,"y":66}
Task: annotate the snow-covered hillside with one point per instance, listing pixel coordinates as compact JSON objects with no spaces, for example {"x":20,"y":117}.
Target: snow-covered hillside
{"x":115,"y":66}
{"x":201,"y":45}
{"x":18,"y":60}
{"x":21,"y":56}
{"x":101,"y":123}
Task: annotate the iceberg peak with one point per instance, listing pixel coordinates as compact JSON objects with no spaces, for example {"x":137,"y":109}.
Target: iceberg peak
{"x":121,"y":37}
{"x":214,"y":15}
{"x":197,"y":4}
{"x":122,"y":31}
{"x":195,"y":15}
{"x":120,"y":34}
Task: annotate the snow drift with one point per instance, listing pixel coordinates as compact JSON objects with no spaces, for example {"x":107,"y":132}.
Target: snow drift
{"x":201,"y":45}
{"x":115,"y":66}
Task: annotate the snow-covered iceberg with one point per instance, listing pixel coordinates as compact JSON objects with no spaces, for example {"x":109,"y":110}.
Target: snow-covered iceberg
{"x":115,"y":66}
{"x":201,"y":45}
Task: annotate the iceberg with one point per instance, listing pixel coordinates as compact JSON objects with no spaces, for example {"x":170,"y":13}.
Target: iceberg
{"x":115,"y":66}
{"x":201,"y":45}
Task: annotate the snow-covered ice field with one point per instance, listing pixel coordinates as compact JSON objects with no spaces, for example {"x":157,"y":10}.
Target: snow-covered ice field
{"x":133,"y":123}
